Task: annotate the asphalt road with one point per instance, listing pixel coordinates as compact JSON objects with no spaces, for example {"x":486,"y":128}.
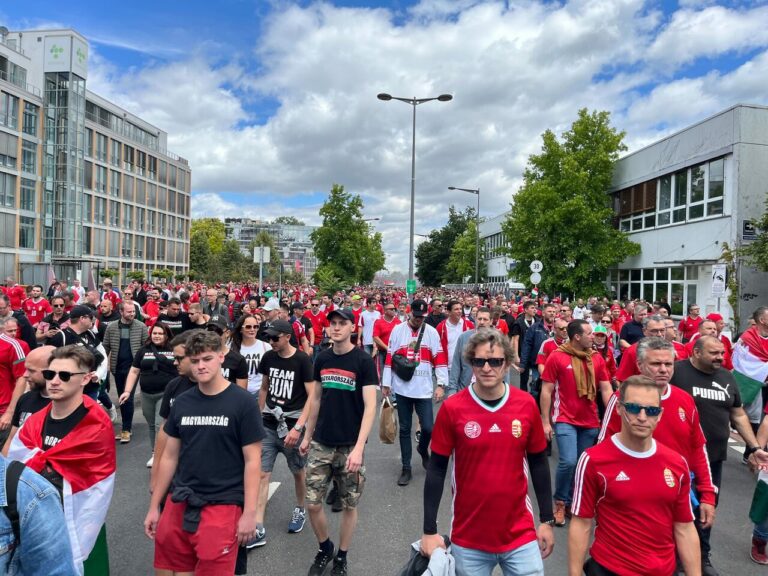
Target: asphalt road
{"x":390,"y":519}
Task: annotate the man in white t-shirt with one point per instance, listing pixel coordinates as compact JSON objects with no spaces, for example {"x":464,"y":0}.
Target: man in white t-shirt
{"x":368,"y":318}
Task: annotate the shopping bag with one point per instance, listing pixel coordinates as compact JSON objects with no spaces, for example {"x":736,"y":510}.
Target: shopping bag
{"x":387,"y":422}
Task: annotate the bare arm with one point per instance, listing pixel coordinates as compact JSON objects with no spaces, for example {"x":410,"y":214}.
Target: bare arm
{"x":578,"y":541}
{"x":545,"y":400}
{"x":314,"y":410}
{"x":167,"y":468}
{"x":130,"y":381}
{"x":687,"y":541}
{"x":7,"y":445}
{"x":740,"y":422}
{"x":242,"y":382}
{"x":19,"y":388}
{"x":246,"y":526}
{"x":263,"y":391}
{"x":606,"y":390}
{"x":355,"y":458}
{"x":160,"y":439}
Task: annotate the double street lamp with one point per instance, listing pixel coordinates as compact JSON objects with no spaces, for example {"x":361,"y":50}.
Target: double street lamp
{"x":413,"y":102}
{"x":476,"y":192}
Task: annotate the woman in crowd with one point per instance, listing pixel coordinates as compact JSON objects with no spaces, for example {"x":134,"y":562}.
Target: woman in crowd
{"x":244,"y":342}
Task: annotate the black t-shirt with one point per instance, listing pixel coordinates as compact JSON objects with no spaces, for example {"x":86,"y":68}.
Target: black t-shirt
{"x":29,"y":403}
{"x":287,"y":377}
{"x":156,"y":366}
{"x":177,"y":324}
{"x":435,"y":319}
{"x":307,"y":323}
{"x":342,"y":377}
{"x":213,"y":431}
{"x":715,"y":395}
{"x":124,"y":354}
{"x":105,"y":321}
{"x":53,"y":433}
{"x":234,"y":367}
{"x":632,"y":332}
{"x":173,"y":390}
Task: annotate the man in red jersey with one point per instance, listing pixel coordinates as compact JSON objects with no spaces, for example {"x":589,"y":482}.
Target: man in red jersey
{"x":652,"y":326}
{"x":382,"y":328}
{"x":490,"y":429}
{"x":551,"y":344}
{"x":680,"y":430}
{"x":637,"y":490}
{"x":36,"y":307}
{"x":574,"y":374}
{"x":690,"y":324}
{"x":319,"y":324}
{"x":670,"y":335}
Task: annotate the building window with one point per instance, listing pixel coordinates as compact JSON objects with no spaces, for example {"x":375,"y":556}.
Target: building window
{"x":716,"y":188}
{"x":101,"y":179}
{"x":89,"y":143}
{"x":127,"y":216}
{"x":114,"y":183}
{"x":7,"y":190}
{"x":31,"y":118}
{"x":9,"y":110}
{"x":114,"y":213}
{"x":127,"y":247}
{"x":87,"y":246}
{"x":114,"y":244}
{"x":99,"y":242}
{"x":8,"y":153}
{"x":88,"y":207}
{"x":88,"y":175}
{"x":100,"y":211}
{"x":28,"y":195}
{"x":101,"y":147}
{"x":128,"y":158}
{"x":26,"y":232}
{"x":172,"y":175}
{"x":151,"y":195}
{"x":128,"y":185}
{"x":8,"y":237}
{"x":114,"y":153}
{"x":674,"y":285}
{"x":140,"y":219}
{"x":29,"y":156}
{"x":141,"y":197}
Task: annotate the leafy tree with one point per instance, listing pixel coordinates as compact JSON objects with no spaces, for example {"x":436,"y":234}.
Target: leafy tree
{"x":288,"y":221}
{"x":109,"y":273}
{"x":326,"y":281}
{"x":756,"y":252}
{"x":432,"y":256}
{"x":231,"y":263}
{"x":200,"y":256}
{"x":562,"y":214}
{"x":345,"y":245}
{"x":462,"y":260}
{"x":137,"y":275}
{"x":212,"y":229}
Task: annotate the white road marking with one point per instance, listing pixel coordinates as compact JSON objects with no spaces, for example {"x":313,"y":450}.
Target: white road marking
{"x":273,"y":486}
{"x":739,"y":449}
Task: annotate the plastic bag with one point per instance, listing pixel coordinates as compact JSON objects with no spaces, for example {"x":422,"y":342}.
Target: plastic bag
{"x":387,"y":422}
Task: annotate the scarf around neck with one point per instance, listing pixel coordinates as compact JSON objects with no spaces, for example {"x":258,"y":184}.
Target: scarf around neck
{"x":585,"y":379}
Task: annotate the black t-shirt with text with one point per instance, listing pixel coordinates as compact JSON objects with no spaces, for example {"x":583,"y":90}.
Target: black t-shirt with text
{"x":287,"y":379}
{"x":715,"y":395}
{"x":234,"y":367}
{"x":342,"y":377}
{"x":156,"y":368}
{"x":173,"y":390}
{"x":213,"y":431}
{"x":29,"y":403}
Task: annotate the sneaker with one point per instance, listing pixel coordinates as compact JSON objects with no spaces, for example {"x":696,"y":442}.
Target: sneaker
{"x":405,"y":477}
{"x":112,"y":411}
{"x":125,"y":437}
{"x":339,"y":567}
{"x":298,"y":518}
{"x":320,"y":565}
{"x":706,"y":567}
{"x":559,"y":513}
{"x":151,"y":461}
{"x":758,"y":554}
{"x":259,"y":540}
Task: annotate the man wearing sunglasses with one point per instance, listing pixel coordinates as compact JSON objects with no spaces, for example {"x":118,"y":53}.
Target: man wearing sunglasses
{"x":653,"y":326}
{"x":637,"y":490}
{"x":491,"y":430}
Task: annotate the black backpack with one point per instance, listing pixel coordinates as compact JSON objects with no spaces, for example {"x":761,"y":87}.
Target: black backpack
{"x":12,"y":476}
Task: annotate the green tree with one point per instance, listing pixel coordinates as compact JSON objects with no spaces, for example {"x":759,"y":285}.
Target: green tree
{"x":462,"y":259}
{"x":288,"y":221}
{"x":562,"y":214}
{"x":200,"y":256}
{"x":432,"y":256}
{"x":212,"y":229}
{"x":755,"y":253}
{"x":326,"y":281}
{"x":230,"y":263}
{"x":345,"y":245}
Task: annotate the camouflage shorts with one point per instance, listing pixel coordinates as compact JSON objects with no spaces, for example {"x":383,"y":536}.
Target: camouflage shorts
{"x":326,"y":462}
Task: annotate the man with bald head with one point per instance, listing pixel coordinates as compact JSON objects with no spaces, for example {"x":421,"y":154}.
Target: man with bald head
{"x":37,"y":397}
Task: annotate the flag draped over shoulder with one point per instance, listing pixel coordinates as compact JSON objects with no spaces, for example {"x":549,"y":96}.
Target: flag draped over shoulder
{"x":750,"y":364}
{"x":86,"y":460}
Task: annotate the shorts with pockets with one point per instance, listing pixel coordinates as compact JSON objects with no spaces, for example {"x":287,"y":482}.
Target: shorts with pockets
{"x":272,"y":445}
{"x":326,"y":462}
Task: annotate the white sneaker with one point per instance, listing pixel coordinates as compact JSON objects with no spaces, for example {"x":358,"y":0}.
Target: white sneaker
{"x":112,"y":413}
{"x":151,"y":461}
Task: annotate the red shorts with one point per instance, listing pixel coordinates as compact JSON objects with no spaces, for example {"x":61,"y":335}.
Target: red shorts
{"x":211,"y":551}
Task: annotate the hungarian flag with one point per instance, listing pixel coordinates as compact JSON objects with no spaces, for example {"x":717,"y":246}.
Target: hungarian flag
{"x":750,"y":364}
{"x":758,"y":511}
{"x":86,"y":460}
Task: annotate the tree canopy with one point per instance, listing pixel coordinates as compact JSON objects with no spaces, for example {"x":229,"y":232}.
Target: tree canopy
{"x":756,"y":252}
{"x":562,"y":214}
{"x":461,"y":263}
{"x":288,"y":220}
{"x":345,"y":245}
{"x":434,"y":254}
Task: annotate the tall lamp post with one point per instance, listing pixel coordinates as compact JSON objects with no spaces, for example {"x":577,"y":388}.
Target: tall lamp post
{"x":413,"y":102}
{"x":476,"y":192}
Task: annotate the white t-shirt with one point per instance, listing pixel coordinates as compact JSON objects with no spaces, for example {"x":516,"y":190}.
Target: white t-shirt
{"x":253,"y":355}
{"x":367,"y":320}
{"x":453,"y":331}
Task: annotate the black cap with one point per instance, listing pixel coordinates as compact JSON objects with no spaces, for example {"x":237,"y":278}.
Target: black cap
{"x":79,"y":311}
{"x":419,"y":308}
{"x":219,"y":322}
{"x":345,"y":313}
{"x":279,"y":327}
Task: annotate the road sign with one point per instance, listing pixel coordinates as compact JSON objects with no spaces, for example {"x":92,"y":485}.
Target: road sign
{"x":537,"y":266}
{"x":410,"y":286}
{"x":718,"y":280}
{"x":535,"y":278}
{"x":261,"y":254}
{"x":748,"y":230}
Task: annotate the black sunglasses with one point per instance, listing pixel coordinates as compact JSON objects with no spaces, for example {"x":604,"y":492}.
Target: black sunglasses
{"x":634,"y":409}
{"x":57,"y":305}
{"x":63,"y":375}
{"x":273,"y":338}
{"x":179,"y":358}
{"x":492,"y":362}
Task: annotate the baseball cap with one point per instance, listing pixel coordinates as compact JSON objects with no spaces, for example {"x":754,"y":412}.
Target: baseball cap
{"x":217,"y":321}
{"x":271,"y":305}
{"x":714,"y":316}
{"x":419,"y":308}
{"x":345,"y":313}
{"x":600,"y":329}
{"x":279,"y":327}
{"x":79,"y":311}
{"x":356,"y":297}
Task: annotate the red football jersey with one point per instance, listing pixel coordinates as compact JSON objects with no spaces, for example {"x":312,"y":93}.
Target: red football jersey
{"x":678,"y":429}
{"x":382,"y":329}
{"x":636,"y":499}
{"x":319,"y":323}
{"x":628,"y":365}
{"x":547,"y":347}
{"x":567,"y":406}
{"x":689,"y":326}
{"x":12,"y":368}
{"x":491,"y":508}
{"x":36,"y":311}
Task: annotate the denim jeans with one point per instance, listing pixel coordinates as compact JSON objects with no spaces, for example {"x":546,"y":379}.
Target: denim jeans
{"x":571,"y":442}
{"x":761,"y":530}
{"x":126,"y":409}
{"x":523,"y":561}
{"x":716,"y":468}
{"x":405,"y":407}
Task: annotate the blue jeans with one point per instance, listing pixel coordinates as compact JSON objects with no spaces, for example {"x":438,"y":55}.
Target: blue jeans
{"x":405,"y":407}
{"x":761,"y":530}
{"x":126,"y":409}
{"x":523,"y":561}
{"x":571,"y":442}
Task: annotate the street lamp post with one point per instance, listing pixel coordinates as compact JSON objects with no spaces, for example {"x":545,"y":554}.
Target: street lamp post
{"x":413,"y":102}
{"x":476,"y":192}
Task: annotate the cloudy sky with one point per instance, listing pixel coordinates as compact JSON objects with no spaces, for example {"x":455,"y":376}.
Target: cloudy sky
{"x":274,"y":101}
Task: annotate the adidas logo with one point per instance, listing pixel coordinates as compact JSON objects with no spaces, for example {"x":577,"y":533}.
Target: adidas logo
{"x":569,"y":367}
{"x":495,"y":428}
{"x":622,"y":477}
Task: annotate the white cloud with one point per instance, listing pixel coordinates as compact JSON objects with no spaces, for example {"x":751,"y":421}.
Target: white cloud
{"x":515,"y":69}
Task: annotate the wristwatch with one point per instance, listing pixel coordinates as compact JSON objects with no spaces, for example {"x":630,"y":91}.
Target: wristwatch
{"x":298,"y":428}
{"x":748,"y":451}
{"x":549,"y":522}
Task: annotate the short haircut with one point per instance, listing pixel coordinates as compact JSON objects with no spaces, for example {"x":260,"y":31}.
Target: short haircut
{"x":181,"y":339}
{"x":451,"y":303}
{"x":652,"y":318}
{"x":690,"y":306}
{"x":640,"y":306}
{"x":200,"y":341}
{"x":576,"y":328}
{"x":80,"y":354}
{"x":597,"y":309}
{"x":195,"y":307}
{"x":758,"y":313}
{"x":485,"y":309}
{"x":549,"y":305}
{"x":528,"y":304}
{"x":174,"y":300}
{"x":708,"y":322}
{"x":4,"y":321}
{"x":701,"y":341}
{"x":638,"y":382}
{"x":653,"y":343}
{"x":38,"y":286}
{"x":492,"y":337}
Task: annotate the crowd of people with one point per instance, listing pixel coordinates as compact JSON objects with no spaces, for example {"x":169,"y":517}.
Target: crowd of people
{"x":231,"y":377}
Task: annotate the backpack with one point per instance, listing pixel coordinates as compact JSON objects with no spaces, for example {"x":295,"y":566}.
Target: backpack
{"x":12,"y":476}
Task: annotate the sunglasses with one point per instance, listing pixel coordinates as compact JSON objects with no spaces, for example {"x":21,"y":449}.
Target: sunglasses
{"x":492,"y":362}
{"x":57,"y":305}
{"x":634,"y":409}
{"x":63,"y":375}
{"x":605,"y":322}
{"x":250,"y":326}
{"x":178,"y":358}
{"x":274,"y":338}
